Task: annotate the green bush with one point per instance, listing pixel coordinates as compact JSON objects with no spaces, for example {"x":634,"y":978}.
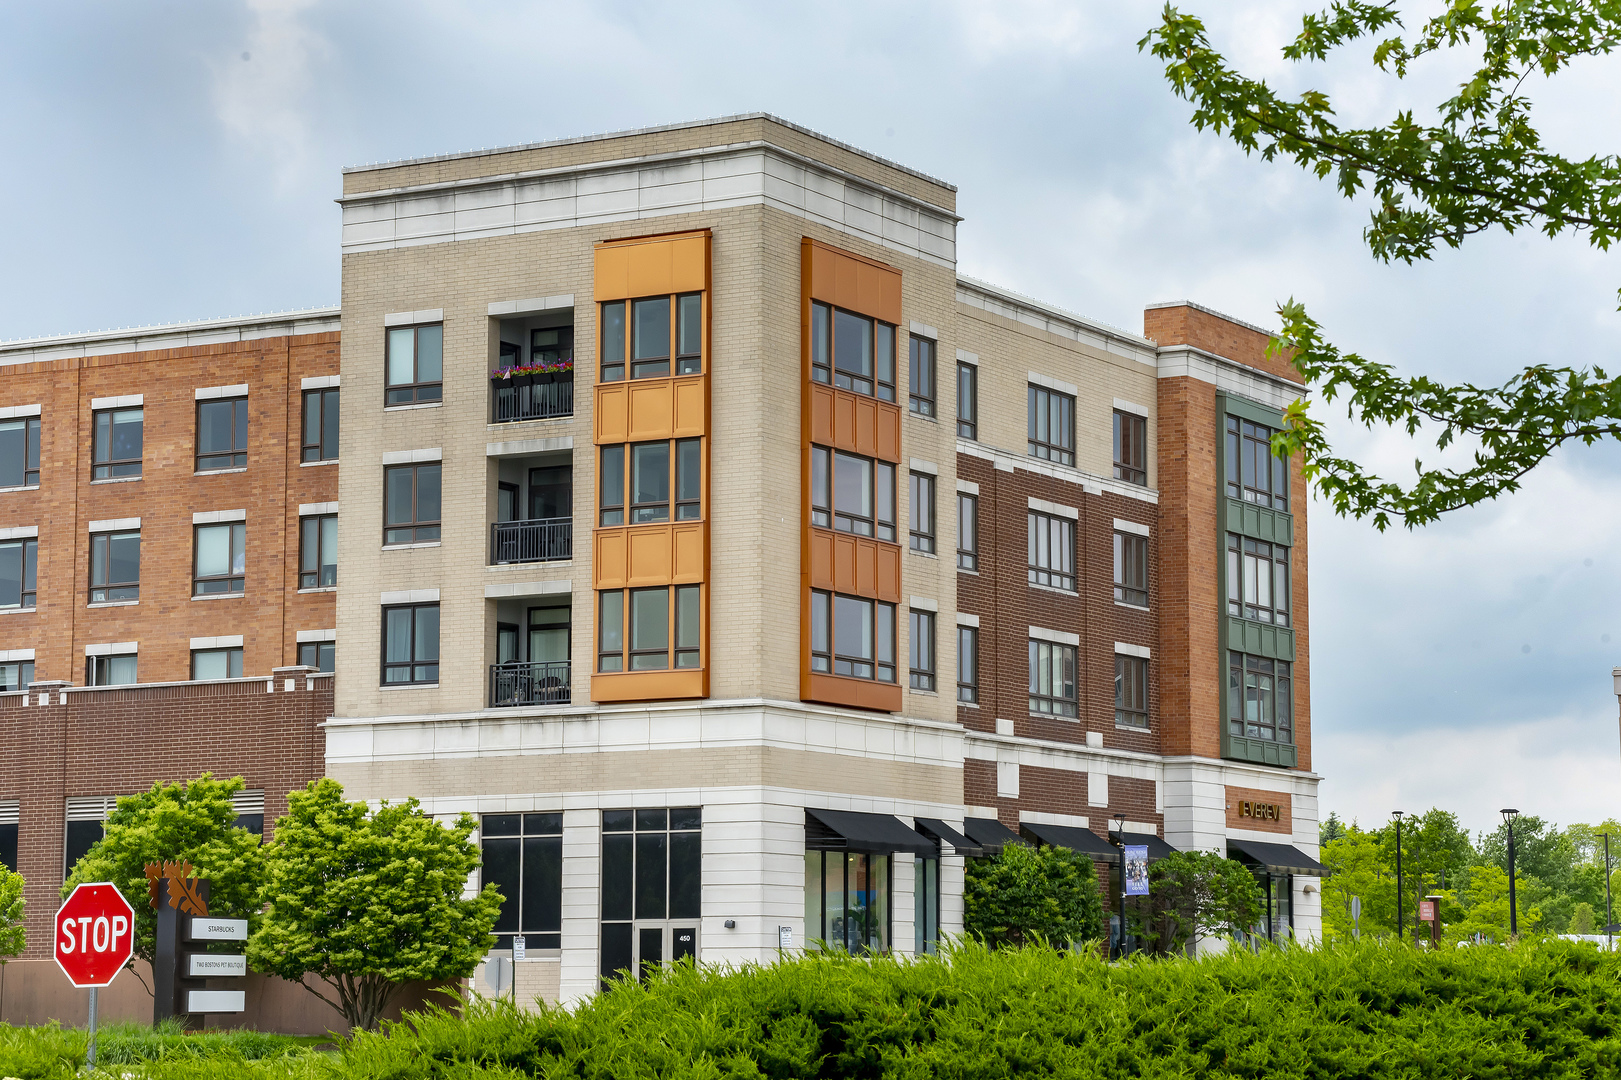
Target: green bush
{"x":51,"y":1052}
{"x":1027,"y":894}
{"x":1362,"y":1010}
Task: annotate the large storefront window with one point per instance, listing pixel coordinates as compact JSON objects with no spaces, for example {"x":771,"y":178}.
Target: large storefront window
{"x":523,"y":857}
{"x":1278,"y":919}
{"x":926,"y":905}
{"x":651,"y":887}
{"x":847,"y":901}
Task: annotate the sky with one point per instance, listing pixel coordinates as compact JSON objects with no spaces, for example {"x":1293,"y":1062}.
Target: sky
{"x":168,"y":161}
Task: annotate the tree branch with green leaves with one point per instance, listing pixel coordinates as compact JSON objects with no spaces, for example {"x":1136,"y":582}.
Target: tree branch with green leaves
{"x":1480,"y":165}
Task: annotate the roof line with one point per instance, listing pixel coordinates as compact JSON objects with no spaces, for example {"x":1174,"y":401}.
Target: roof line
{"x":628,"y":132}
{"x":1211,"y":311}
{"x":154,"y":329}
{"x":1095,"y":325}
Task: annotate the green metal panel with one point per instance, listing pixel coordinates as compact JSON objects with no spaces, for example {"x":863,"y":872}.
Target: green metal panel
{"x":1261,"y":639}
{"x":1256,"y":522}
{"x":1245,"y":409}
{"x":1259,"y":751}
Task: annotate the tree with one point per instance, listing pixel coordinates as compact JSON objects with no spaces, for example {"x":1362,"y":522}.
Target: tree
{"x":195,"y":822}
{"x":1193,"y":894}
{"x":369,"y":901}
{"x":1332,"y":828}
{"x":1582,"y":920}
{"x":12,"y":936}
{"x":1541,"y":851}
{"x":1481,"y":166}
{"x":1357,"y":869}
{"x":1025,"y":894}
{"x":1485,"y":903}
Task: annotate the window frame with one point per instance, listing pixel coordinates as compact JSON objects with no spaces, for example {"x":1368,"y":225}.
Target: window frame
{"x":238,"y":454}
{"x":967,"y":401}
{"x":421,"y":391}
{"x":25,"y":675}
{"x":113,"y":592}
{"x":1243,"y":439}
{"x":923,"y":370}
{"x":531,"y":832}
{"x":1240,"y":666}
{"x":677,"y":361}
{"x":1039,"y":402}
{"x":318,"y":450}
{"x":968,"y":532}
{"x":411,"y":665}
{"x":617,"y":508}
{"x":233,"y":661}
{"x":31,"y":430}
{"x":923,"y":654}
{"x":417,"y":527}
{"x":27,"y":573}
{"x":683,"y":641}
{"x":824,"y":361}
{"x":101,"y":665}
{"x":1131,"y":692}
{"x":1045,"y":701}
{"x":827,"y":514}
{"x":922,"y":523}
{"x":1129,"y":467}
{"x":108,"y":468}
{"x":1129,"y":590}
{"x":1050,"y":577}
{"x":329,"y":647}
{"x":316,"y":579}
{"x":824,"y":644}
{"x":1244,"y":558}
{"x":874,"y":931}
{"x":236,"y":582}
{"x":967,"y":665}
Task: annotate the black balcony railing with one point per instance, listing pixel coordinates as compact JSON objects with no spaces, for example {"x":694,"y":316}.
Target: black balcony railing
{"x":521,"y":683}
{"x":542,"y":540}
{"x":540,"y":401}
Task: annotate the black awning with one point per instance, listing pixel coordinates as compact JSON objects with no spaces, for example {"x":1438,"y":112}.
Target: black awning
{"x":1157,"y":848}
{"x":989,"y":833}
{"x":1275,"y":858}
{"x":1072,"y":837}
{"x":847,"y":830}
{"x":941,"y":833}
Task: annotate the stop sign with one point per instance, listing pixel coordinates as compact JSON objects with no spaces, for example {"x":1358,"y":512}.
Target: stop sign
{"x":95,"y":934}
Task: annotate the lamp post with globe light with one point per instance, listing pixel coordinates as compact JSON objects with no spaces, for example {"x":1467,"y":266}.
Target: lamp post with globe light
{"x":1513,"y":909}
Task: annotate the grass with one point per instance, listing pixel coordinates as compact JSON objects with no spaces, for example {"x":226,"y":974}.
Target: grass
{"x":132,"y":1050}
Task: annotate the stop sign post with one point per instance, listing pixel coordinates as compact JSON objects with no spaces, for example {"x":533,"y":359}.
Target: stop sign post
{"x":95,"y":937}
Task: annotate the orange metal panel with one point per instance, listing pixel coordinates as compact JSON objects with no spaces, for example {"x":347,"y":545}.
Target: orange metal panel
{"x":649,"y":266}
{"x":650,"y":409}
{"x":691,"y":411}
{"x":611,"y":420}
{"x":844,"y":562}
{"x":608,"y":559}
{"x":650,"y":685}
{"x":689,"y":264}
{"x":887,"y":434}
{"x":887,"y":563}
{"x":854,"y":282}
{"x":844,"y":421}
{"x":688,"y":555}
{"x":866,"y":568}
{"x":866,"y":427}
{"x":649,"y":550}
{"x":821,"y":559}
{"x":821,"y":414}
{"x":612,"y":273}
{"x":855,"y":693}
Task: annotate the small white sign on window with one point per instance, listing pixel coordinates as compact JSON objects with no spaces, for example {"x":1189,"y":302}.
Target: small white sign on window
{"x":518,"y":945}
{"x":785,"y":937}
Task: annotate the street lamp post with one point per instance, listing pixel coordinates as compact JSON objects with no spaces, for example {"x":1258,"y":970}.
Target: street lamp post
{"x":1513,"y":910}
{"x":1401,"y":924}
{"x":1120,"y":831}
{"x":1609,"y":921}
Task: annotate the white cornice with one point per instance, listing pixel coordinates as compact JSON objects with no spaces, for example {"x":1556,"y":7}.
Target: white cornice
{"x":1228,"y":375}
{"x":320,"y":320}
{"x":1054,"y":320}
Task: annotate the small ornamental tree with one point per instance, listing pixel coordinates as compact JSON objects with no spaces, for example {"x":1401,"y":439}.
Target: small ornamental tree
{"x":1028,"y":894}
{"x":368,"y":901}
{"x":193,"y":822}
{"x":1193,"y":894}
{"x":12,"y":938}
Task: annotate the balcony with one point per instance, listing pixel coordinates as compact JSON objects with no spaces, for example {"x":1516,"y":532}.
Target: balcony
{"x":539,"y":540}
{"x":533,"y":377}
{"x":534,"y":401}
{"x":521,"y":683}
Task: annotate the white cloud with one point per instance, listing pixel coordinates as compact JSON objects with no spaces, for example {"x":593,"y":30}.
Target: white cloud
{"x":265,"y":93}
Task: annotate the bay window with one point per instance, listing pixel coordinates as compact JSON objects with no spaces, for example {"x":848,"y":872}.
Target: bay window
{"x":852,"y":352}
{"x":852,"y":636}
{"x":852,"y":494}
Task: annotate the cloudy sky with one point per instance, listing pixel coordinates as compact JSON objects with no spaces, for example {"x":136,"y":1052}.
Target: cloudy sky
{"x":167,"y":161}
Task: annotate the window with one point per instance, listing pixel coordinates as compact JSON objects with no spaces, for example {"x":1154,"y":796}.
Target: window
{"x":852,"y":494}
{"x":1253,"y":473}
{"x":652,"y":888}
{"x":318,"y":551}
{"x":852,"y":636}
{"x":411,"y":645}
{"x":1052,"y":551}
{"x":221,"y":559}
{"x":920,"y":385}
{"x":411,"y":497}
{"x":1130,"y":448}
{"x":967,"y":401}
{"x":19,"y":561}
{"x":1052,"y":679}
{"x":222,"y":434}
{"x":416,"y":365}
{"x":847,"y":901}
{"x":1052,"y":426}
{"x":319,"y":655}
{"x":84,"y":827}
{"x":523,"y":857}
{"x":968,"y":664}
{"x":920,"y":646}
{"x":666,"y":628}
{"x":1131,"y":569}
{"x":16,"y":674}
{"x":115,"y":567}
{"x":8,"y":835}
{"x":1131,"y":691}
{"x":321,"y":425}
{"x":110,"y":670}
{"x":650,"y":336}
{"x":967,"y":532}
{"x":19,"y":452}
{"x":1257,"y":580}
{"x":115,"y":449}
{"x":926,"y":906}
{"x":655,"y":468}
{"x":216,"y":664}
{"x":922,"y":507}
{"x":852,"y":352}
{"x":1259,"y":702}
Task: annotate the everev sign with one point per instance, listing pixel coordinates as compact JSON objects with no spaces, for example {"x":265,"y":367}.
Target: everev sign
{"x":94,"y":934}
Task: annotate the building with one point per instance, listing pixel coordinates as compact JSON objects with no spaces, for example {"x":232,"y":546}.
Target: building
{"x":1030,"y":574}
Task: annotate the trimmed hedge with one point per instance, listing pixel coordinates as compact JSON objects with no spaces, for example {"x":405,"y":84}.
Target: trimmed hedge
{"x":1361,"y":1010}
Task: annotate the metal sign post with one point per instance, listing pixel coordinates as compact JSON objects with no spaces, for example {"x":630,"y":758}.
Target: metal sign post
{"x":1356,"y":917}
{"x":90,"y":1055}
{"x":95,"y":937}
